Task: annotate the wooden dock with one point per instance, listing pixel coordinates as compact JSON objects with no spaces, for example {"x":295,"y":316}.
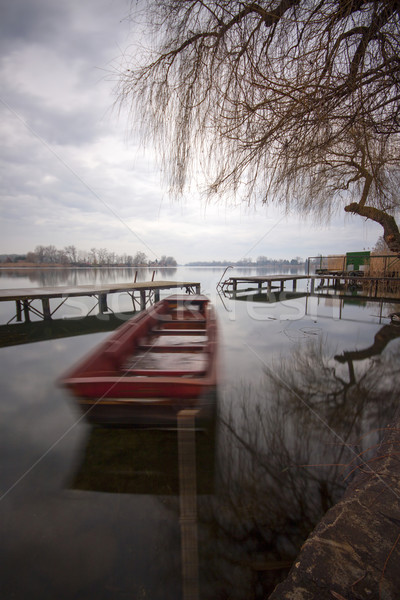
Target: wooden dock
{"x":272,"y":281}
{"x":373,"y":287}
{"x":142,"y":294}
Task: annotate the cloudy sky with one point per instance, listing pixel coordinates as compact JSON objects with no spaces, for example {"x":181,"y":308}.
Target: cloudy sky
{"x":72,"y":173}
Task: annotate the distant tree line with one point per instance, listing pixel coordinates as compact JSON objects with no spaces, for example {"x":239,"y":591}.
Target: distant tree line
{"x":71,"y":255}
{"x":248,"y":262}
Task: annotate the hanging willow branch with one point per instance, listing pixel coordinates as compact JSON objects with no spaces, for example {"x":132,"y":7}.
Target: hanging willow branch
{"x":293,"y":101}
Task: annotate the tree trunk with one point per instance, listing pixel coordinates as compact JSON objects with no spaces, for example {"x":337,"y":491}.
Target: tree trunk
{"x":391,"y":232}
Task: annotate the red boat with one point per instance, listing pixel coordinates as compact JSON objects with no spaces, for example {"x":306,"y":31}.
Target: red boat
{"x":157,"y":363}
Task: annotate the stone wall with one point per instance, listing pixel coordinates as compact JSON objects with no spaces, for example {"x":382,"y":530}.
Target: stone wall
{"x":354,"y":552}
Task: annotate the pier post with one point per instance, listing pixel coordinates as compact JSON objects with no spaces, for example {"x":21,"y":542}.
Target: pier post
{"x":26,"y":311}
{"x":198,"y":289}
{"x":46,"y":308}
{"x":294,"y":284}
{"x":188,"y":503}
{"x":156,"y":295}
{"x":269,"y":288}
{"x":312,"y":285}
{"x":103,"y":303}
{"x":18,"y":308}
{"x":142,"y":299}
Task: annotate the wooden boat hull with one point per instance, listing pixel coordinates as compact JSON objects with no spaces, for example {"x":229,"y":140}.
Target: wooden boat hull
{"x":161,"y":361}
{"x":119,"y":412}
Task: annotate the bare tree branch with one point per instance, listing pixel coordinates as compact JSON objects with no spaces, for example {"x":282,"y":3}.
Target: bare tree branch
{"x":293,"y":101}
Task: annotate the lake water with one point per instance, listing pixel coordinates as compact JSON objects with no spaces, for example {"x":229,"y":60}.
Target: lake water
{"x":305,"y":385}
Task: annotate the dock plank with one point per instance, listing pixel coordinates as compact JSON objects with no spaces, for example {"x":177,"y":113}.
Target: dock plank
{"x":149,"y":291}
{"x":90,"y":290}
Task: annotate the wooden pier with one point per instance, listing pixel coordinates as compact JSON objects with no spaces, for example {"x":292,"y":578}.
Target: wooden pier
{"x":272,"y":281}
{"x":372,"y":287}
{"x":142,"y":294}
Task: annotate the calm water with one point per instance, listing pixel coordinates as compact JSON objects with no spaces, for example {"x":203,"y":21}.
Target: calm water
{"x":95,"y":513}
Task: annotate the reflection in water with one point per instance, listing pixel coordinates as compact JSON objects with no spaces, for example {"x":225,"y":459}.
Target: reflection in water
{"x":37,"y":331}
{"x":286,"y":456}
{"x":281,"y":461}
{"x":85,"y":276}
{"x":290,"y":432}
{"x":156,"y":462}
{"x":140,"y":461}
{"x":264,"y":298}
{"x":188,"y":504}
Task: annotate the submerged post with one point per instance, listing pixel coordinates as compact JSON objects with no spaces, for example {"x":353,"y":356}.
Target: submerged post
{"x":142,"y":299}
{"x":18,"y":310}
{"x":188,"y":503}
{"x":46,"y":308}
{"x":103,"y":303}
{"x":26,"y":311}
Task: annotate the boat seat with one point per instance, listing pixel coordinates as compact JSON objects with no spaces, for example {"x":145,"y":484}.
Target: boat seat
{"x":163,"y":373}
{"x":174,"y":349}
{"x":168,"y":331}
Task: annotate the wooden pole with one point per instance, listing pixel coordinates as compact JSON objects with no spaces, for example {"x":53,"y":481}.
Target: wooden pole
{"x":188,"y":503}
{"x":103,"y":303}
{"x":26,"y":311}
{"x":19,"y":310}
{"x":46,"y":308}
{"x":142,"y":299}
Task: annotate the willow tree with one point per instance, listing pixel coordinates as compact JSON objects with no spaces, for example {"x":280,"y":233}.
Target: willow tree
{"x":293,"y":101}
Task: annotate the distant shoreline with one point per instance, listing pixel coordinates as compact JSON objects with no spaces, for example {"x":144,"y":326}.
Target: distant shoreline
{"x":24,"y":265}
{"x":63,"y":267}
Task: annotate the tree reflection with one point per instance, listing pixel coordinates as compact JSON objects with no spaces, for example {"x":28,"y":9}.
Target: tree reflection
{"x":288,"y":445}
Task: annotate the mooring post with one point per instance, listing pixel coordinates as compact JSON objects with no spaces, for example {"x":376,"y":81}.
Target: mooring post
{"x":26,"y":311}
{"x":188,"y":503}
{"x":103,"y":303}
{"x":46,"y":308}
{"x":142,"y":299}
{"x":18,"y":309}
{"x":156,"y":295}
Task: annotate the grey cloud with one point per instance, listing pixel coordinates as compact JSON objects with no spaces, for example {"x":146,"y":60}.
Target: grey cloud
{"x":74,"y":28}
{"x":25,"y":21}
